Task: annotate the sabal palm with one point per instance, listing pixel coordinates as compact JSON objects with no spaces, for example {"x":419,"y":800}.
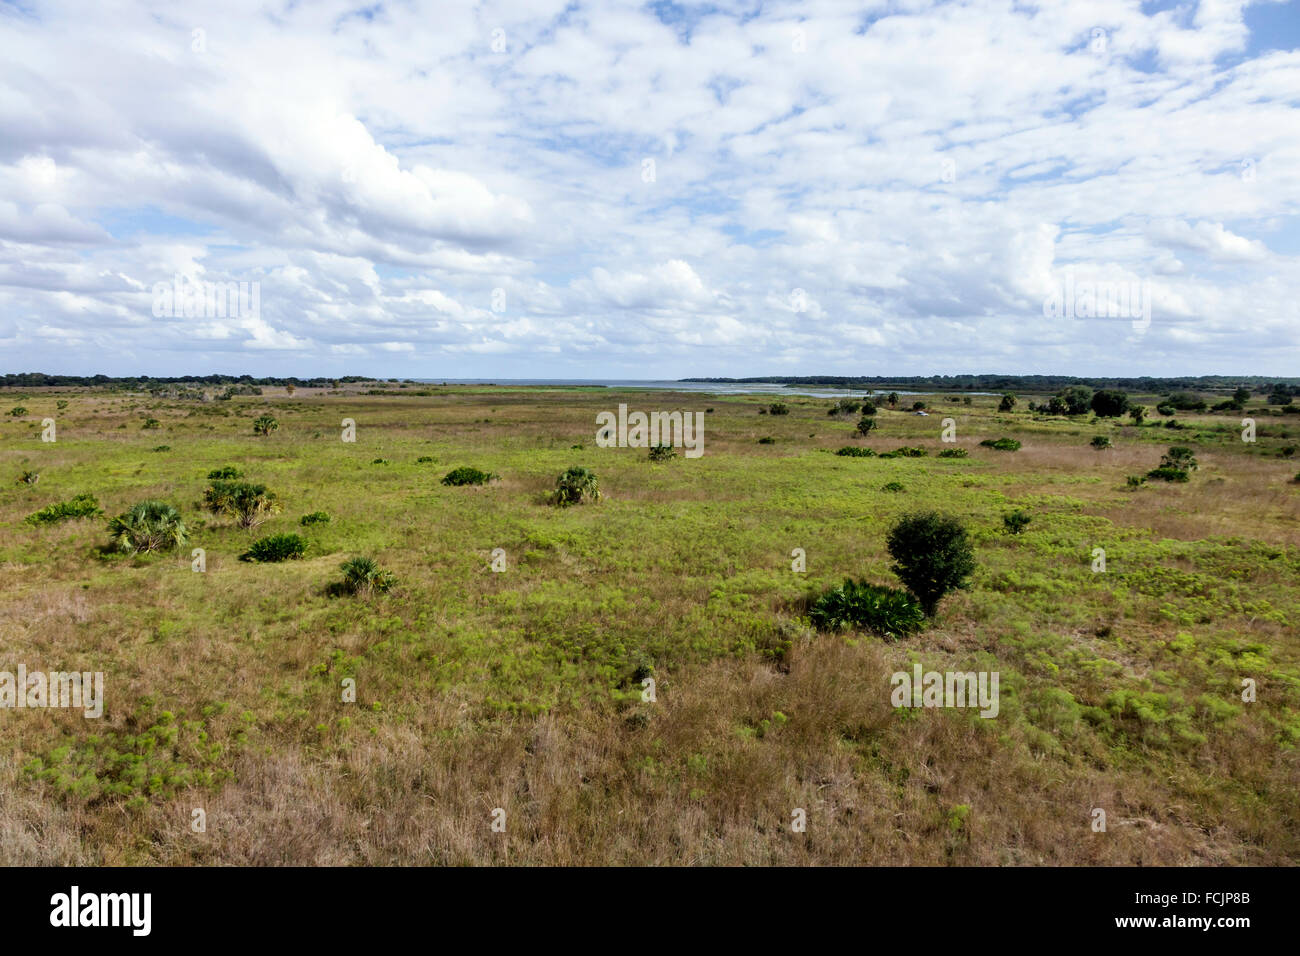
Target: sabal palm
{"x":247,"y":503}
{"x":265,"y":425}
{"x":148,"y":526}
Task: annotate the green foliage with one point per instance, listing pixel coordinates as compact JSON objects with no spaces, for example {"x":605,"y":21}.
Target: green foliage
{"x":662,"y":453}
{"x":910,"y":451}
{"x":1001,"y":444}
{"x":1135,"y":481}
{"x":779,"y":408}
{"x":865,"y":425}
{"x":1008,"y":403}
{"x":851,"y":451}
{"x":151,"y":423}
{"x":890,"y":612}
{"x":363,"y":577}
{"x":1109,"y":403}
{"x":954,"y":453}
{"x":380,"y":461}
{"x":264,"y":425}
{"x":767,"y":440}
{"x":148,"y":526}
{"x":868,"y":407}
{"x":228,"y":473}
{"x":575,"y":486}
{"x":1165,"y":473}
{"x":316,"y":517}
{"x":932,"y":554}
{"x":249,"y":504}
{"x":424,"y":460}
{"x":18,"y":411}
{"x":1185,"y":402}
{"x":1165,"y":409}
{"x":1016,"y":521}
{"x":29,"y":477}
{"x":61,"y":404}
{"x":1101,"y":441}
{"x":1179,"y":456}
{"x":276,"y":547}
{"x":82,"y":506}
{"x":163,"y":448}
{"x":466,"y":475}
{"x":163,"y":759}
{"x":1138,"y":413}
{"x":892,"y":486}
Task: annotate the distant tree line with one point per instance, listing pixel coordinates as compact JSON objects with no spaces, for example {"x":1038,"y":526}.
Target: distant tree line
{"x":38,"y":379}
{"x":1031,"y":383}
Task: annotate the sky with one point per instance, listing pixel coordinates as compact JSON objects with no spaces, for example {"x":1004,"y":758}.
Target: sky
{"x":552,"y":189}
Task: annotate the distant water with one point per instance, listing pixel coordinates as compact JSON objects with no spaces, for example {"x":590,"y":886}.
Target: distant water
{"x":707,"y":388}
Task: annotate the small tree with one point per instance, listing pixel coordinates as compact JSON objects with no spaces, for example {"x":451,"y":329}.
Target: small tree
{"x":1008,"y":402}
{"x":1138,"y":413}
{"x":1109,"y":403}
{"x":1241,"y":396}
{"x":892,"y":399}
{"x":264,"y":425}
{"x":933,"y":555}
{"x":1179,"y":457}
{"x":865,"y":425}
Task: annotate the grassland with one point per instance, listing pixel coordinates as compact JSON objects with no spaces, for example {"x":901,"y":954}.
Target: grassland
{"x":521,"y":690}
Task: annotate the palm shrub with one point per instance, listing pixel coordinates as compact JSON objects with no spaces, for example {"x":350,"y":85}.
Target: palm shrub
{"x":18,"y":412}
{"x":228,"y":473}
{"x":264,"y":425}
{"x":779,"y":408}
{"x":1101,"y":441}
{"x":276,"y":547}
{"x":316,"y":517}
{"x":364,"y":576}
{"x":889,"y":612}
{"x":910,"y":451}
{"x":1179,"y":456}
{"x":892,"y":486}
{"x":148,"y":526}
{"x":29,"y":477}
{"x":575,"y":486}
{"x":466,"y":475}
{"x":82,"y":506}
{"x":662,"y":453}
{"x":852,"y":451}
{"x":1001,"y":444}
{"x":247,"y":503}
{"x":865,"y":425}
{"x":151,"y":423}
{"x":954,"y":453}
{"x":933,"y":555}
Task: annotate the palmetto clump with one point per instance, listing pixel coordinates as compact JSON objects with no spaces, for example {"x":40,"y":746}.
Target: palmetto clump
{"x":148,"y":526}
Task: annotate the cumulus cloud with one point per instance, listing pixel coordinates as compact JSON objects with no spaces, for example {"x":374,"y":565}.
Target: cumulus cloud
{"x":615,"y":188}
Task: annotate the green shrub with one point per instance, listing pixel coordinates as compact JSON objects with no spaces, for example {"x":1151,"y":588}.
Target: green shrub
{"x":868,"y":408}
{"x":866,"y":424}
{"x":18,"y":412}
{"x":1179,"y":457}
{"x":1016,"y":521}
{"x":1001,"y":444}
{"x":82,"y":506}
{"x":892,"y":486}
{"x":316,"y":517}
{"x":151,"y":423}
{"x":380,"y":461}
{"x":767,"y":440}
{"x":1101,"y":441}
{"x":61,"y":404}
{"x":1135,"y":481}
{"x":249,"y":504}
{"x":910,"y":451}
{"x":264,"y":425}
{"x":423,"y":460}
{"x":228,"y":473}
{"x":276,"y":547}
{"x":779,"y":408}
{"x":29,"y":477}
{"x":1109,"y":403}
{"x":1165,"y":473}
{"x":575,"y":486}
{"x":148,"y":526}
{"x":364,"y":576}
{"x":890,"y":612}
{"x":163,"y":448}
{"x":662,"y":453}
{"x":933,"y":555}
{"x":465,"y":475}
{"x":852,"y":452}
{"x":1287,"y":451}
{"x":954,"y":453}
